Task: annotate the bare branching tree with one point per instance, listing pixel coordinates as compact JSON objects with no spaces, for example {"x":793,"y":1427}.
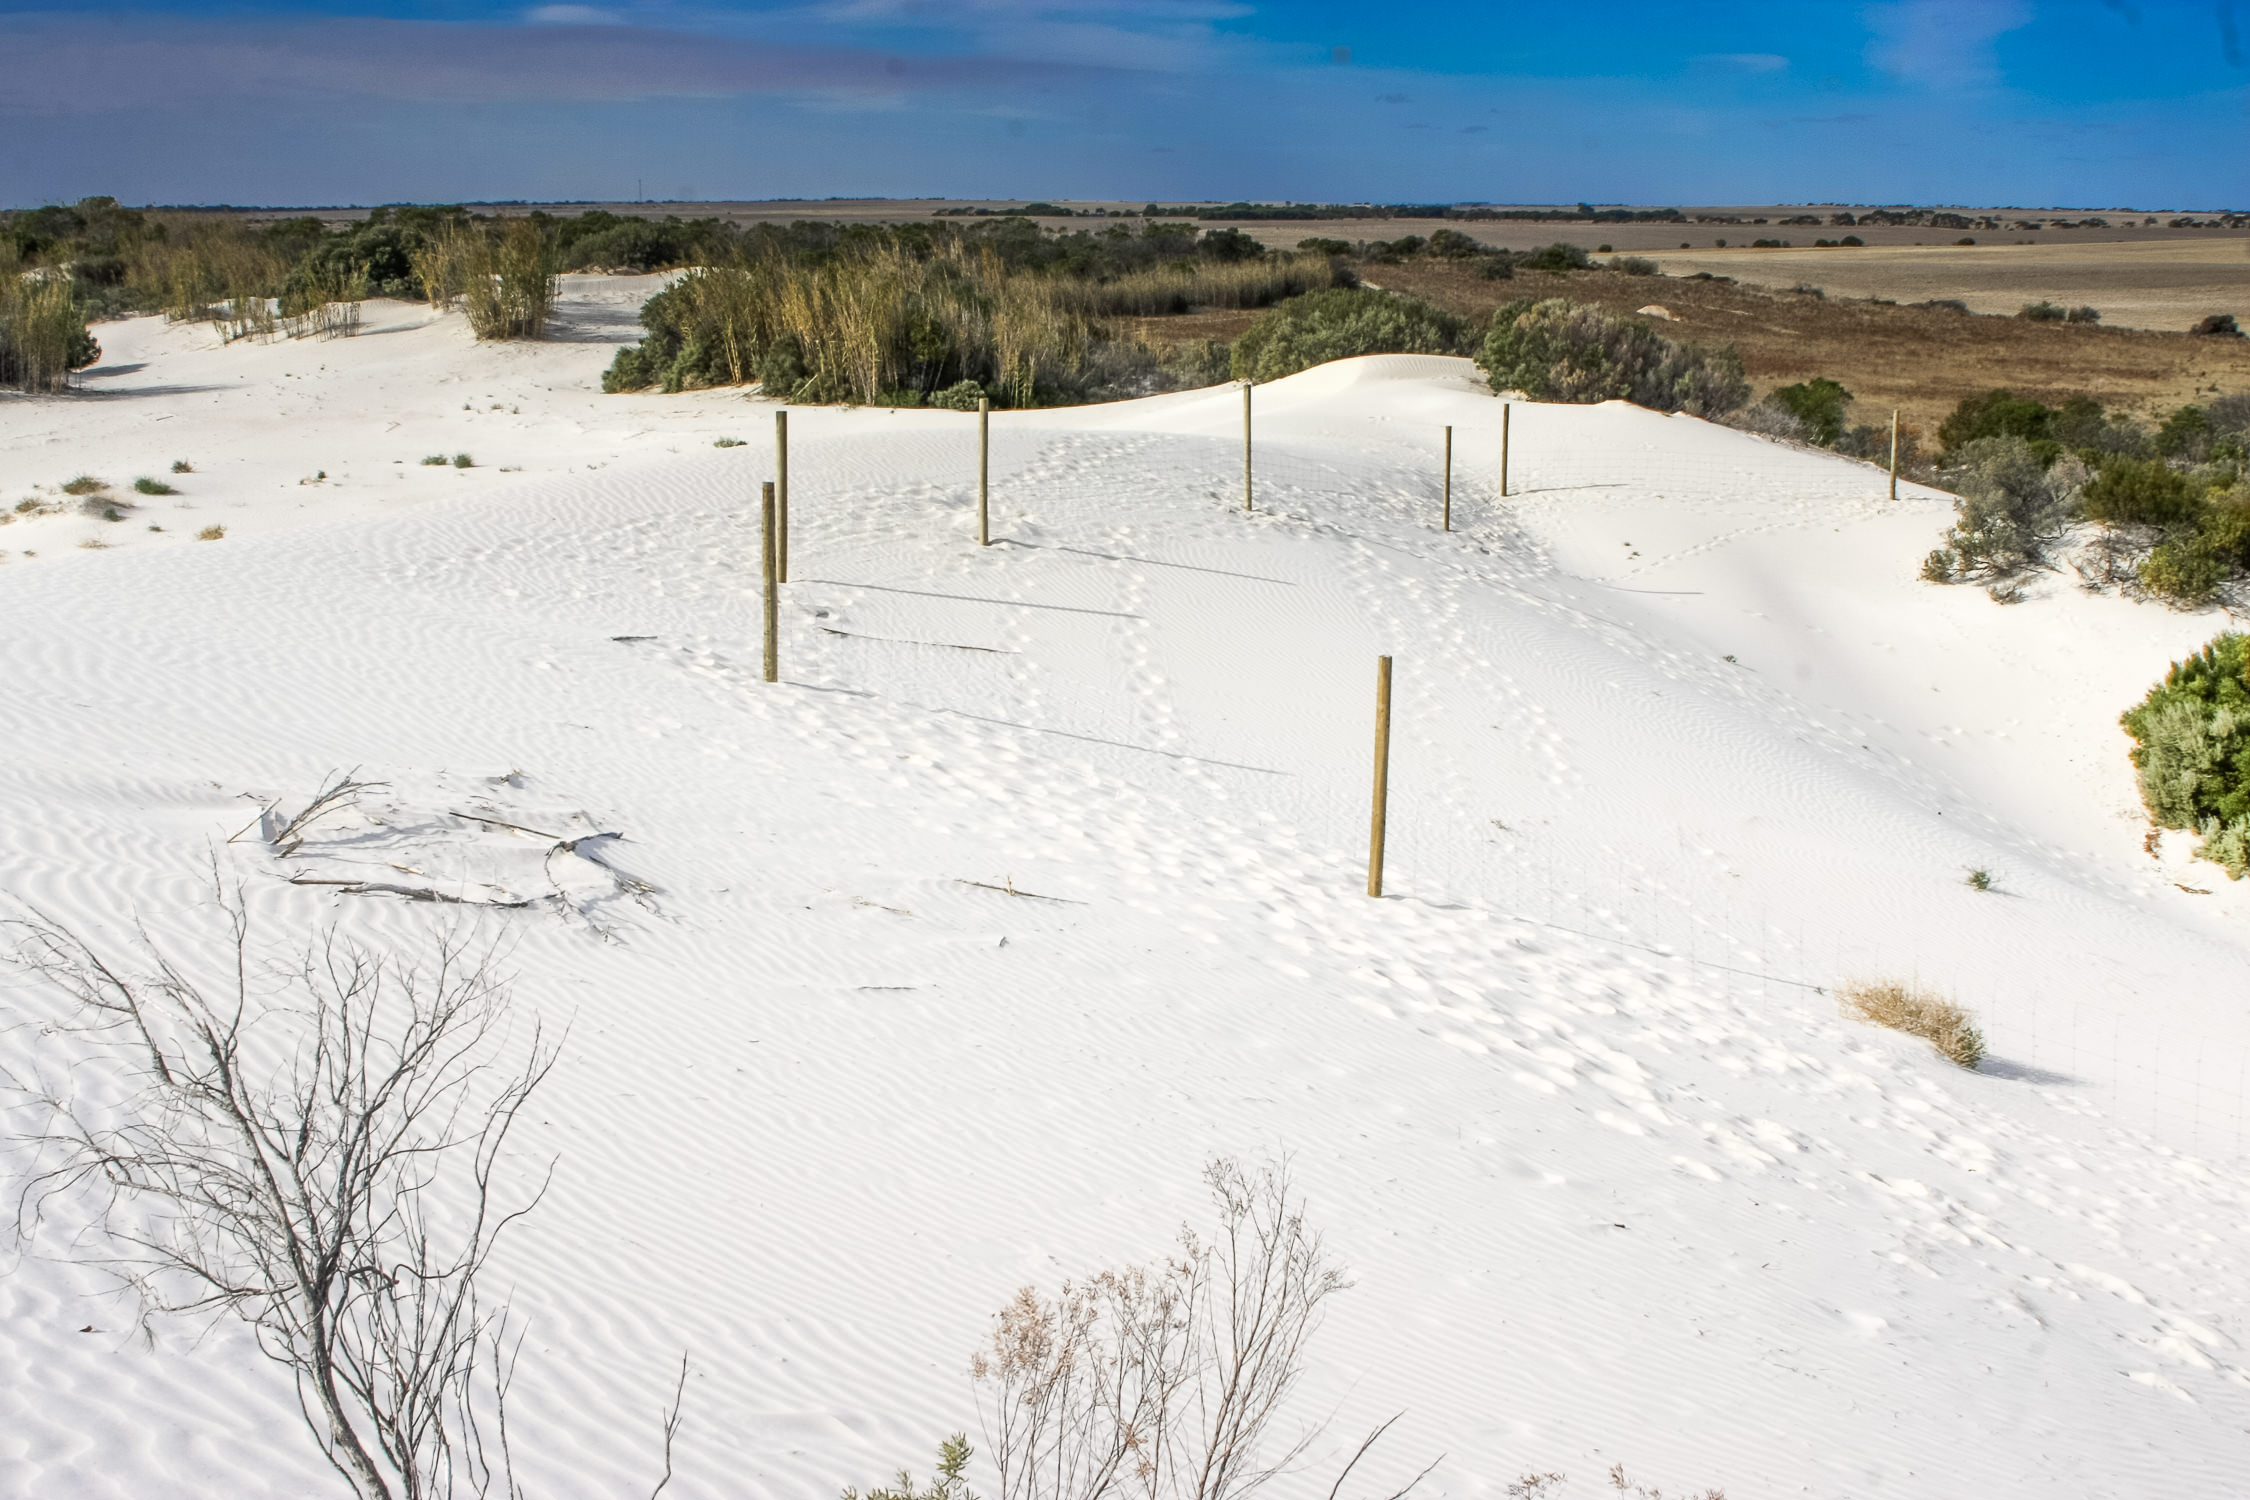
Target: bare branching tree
{"x":1168,"y":1381}
{"x":317,"y":1150}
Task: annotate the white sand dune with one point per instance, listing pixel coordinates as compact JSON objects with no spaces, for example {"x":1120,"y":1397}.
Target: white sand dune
{"x":1681,"y":741}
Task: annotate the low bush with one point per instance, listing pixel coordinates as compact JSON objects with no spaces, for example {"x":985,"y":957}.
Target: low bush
{"x":1558,"y":350}
{"x":148,"y":486}
{"x":84,"y":484}
{"x":1338,"y":324}
{"x":2138,"y":492}
{"x":434,"y":460}
{"x":2084,"y":315}
{"x":2012,"y":508}
{"x":1917,"y":1012}
{"x":1556,"y":258}
{"x":2042,"y":312}
{"x":211,"y":534}
{"x":1818,"y":404}
{"x":463,"y":461}
{"x":182,"y":466}
{"x":1633,"y":265}
{"x":2191,"y":750}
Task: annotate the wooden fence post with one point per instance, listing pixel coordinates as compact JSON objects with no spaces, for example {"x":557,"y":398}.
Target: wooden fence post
{"x":1246,"y":445}
{"x":1448,"y":478}
{"x":984,"y":469}
{"x":1505,"y":407}
{"x":1382,"y":775}
{"x":773,"y":591}
{"x":781,"y":494}
{"x":1894,"y":453}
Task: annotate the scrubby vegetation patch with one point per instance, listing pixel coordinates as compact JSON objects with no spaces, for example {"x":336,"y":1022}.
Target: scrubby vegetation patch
{"x":2191,"y":750}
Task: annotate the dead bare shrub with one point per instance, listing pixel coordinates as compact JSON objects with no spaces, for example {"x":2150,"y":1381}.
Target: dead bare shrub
{"x":1166,"y":1381}
{"x":317,"y":1151}
{"x":1918,"y":1012}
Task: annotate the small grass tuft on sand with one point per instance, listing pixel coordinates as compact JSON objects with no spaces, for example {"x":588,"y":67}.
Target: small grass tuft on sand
{"x":147,"y":486}
{"x":182,"y":466}
{"x":85,"y":484}
{"x":463,"y":461}
{"x":1980,"y":879}
{"x":728,"y":443}
{"x":211,"y":534}
{"x":1917,"y":1012}
{"x":434,"y":461}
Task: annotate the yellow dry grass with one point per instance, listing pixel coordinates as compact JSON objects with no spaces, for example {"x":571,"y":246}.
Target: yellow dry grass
{"x":1918,"y":1012}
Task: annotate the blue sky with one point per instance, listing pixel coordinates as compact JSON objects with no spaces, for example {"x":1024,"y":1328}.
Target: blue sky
{"x":2065,"y":103}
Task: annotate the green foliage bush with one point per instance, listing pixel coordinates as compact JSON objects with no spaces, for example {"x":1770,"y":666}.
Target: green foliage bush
{"x":1558,"y":257}
{"x":2138,"y":492}
{"x":1819,"y":404}
{"x":2191,"y":750}
{"x":2184,"y":571}
{"x":1995,"y":414}
{"x":2042,"y":312}
{"x":2012,"y":508}
{"x":1338,"y":324}
{"x":1559,"y":350}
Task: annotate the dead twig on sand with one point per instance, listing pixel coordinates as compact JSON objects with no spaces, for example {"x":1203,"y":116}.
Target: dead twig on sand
{"x":1009,"y":889}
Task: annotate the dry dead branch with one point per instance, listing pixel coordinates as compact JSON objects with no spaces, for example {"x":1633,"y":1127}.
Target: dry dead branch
{"x":322,"y":1158}
{"x":338,"y":792}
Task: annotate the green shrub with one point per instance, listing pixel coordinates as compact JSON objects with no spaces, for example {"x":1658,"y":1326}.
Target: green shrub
{"x":2191,"y":750}
{"x":2183,"y":571}
{"x":84,"y":484}
{"x":2137,"y":492}
{"x":182,"y":466}
{"x":1338,"y":324}
{"x":1558,"y":257}
{"x":434,"y":460}
{"x":153,"y":487}
{"x":2084,"y":315}
{"x":1633,"y":265}
{"x":2042,"y":312}
{"x":1819,"y":404}
{"x":1321,"y":246}
{"x":1996,"y":414}
{"x":1565,"y":351}
{"x":961,"y":396}
{"x":1452,"y":244}
{"x":2011,"y":506}
{"x":2186,"y":434}
{"x":463,"y":461}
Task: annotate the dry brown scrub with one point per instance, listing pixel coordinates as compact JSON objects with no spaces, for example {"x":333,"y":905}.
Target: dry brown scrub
{"x":1917,"y":1012}
{"x":1920,"y":360}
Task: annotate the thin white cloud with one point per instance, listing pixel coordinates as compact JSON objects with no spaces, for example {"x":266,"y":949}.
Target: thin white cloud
{"x":1943,"y":45}
{"x":1751,"y":62}
{"x":62,"y":58}
{"x":572,"y":15}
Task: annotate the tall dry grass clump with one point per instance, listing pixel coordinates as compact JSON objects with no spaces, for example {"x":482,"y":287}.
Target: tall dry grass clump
{"x":42,"y":334}
{"x":441,"y":266}
{"x":1918,"y":1012}
{"x":509,"y":284}
{"x":323,"y":301}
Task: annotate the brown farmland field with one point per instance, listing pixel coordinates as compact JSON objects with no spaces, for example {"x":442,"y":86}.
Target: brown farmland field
{"x":1920,"y":360}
